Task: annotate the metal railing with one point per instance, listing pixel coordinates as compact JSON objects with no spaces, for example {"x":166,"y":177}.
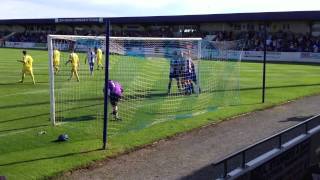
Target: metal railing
{"x":277,"y":141}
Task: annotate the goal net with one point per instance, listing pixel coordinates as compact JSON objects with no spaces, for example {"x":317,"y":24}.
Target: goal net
{"x":163,"y":79}
{"x":220,"y":68}
{"x":76,"y":87}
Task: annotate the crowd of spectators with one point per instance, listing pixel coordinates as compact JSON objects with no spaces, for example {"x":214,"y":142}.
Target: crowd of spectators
{"x":280,"y":41}
{"x":254,"y":40}
{"x":38,"y":37}
{"x":28,"y":37}
{"x":3,"y":34}
{"x":163,"y":32}
{"x":135,"y":33}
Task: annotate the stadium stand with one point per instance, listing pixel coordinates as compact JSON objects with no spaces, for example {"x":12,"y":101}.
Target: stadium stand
{"x":286,"y":31}
{"x":280,"y":41}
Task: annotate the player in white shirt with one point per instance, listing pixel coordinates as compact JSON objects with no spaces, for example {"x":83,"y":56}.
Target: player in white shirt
{"x":90,"y":58}
{"x":190,"y":75}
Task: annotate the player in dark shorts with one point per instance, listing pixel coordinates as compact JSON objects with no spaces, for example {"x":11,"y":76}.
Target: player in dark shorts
{"x":194,"y":77}
{"x":189,"y":76}
{"x":175,"y":71}
{"x":115,"y":91}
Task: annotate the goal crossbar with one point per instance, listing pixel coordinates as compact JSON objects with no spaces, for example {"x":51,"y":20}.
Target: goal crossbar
{"x":68,"y":37}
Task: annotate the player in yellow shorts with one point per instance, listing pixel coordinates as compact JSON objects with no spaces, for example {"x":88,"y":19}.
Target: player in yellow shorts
{"x":27,"y":66}
{"x":75,"y":63}
{"x":56,"y":60}
{"x":98,"y":52}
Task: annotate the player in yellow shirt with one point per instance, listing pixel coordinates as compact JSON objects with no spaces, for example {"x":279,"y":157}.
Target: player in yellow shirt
{"x":98,"y":52}
{"x":27,"y":66}
{"x":56,"y":60}
{"x":75,"y":63}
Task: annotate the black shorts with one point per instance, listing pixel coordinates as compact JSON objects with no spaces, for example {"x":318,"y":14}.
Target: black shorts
{"x":188,"y":76}
{"x":194,"y":77}
{"x":174,"y":75}
{"x":114,"y":99}
{"x":91,"y":65}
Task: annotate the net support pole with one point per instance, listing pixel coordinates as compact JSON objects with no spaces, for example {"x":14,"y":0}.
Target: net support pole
{"x":51,"y":80}
{"x":105,"y":112}
{"x":264,"y":63}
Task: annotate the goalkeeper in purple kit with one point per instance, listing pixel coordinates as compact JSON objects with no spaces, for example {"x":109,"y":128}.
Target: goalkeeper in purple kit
{"x":115,"y":91}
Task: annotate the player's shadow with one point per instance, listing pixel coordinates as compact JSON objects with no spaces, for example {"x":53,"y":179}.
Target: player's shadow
{"x":152,"y":94}
{"x":79,"y":118}
{"x":24,"y":105}
{"x":11,"y":83}
{"x":297,"y":118}
{"x":41,"y":82}
{"x":27,"y":82}
{"x":236,"y":104}
{"x":24,"y":128}
{"x":47,"y":103}
{"x":25,"y":117}
{"x":47,"y":114}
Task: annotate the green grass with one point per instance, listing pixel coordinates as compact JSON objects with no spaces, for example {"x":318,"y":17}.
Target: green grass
{"x":148,"y":114}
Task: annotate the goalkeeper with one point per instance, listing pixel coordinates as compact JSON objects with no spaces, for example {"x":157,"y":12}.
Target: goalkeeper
{"x":75,"y":63}
{"x":98,"y":52}
{"x":115,"y":91}
{"x":27,"y":66}
{"x":56,"y":60}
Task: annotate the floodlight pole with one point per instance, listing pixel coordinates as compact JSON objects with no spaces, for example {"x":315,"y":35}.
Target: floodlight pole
{"x":105,"y":112}
{"x":264,"y":63}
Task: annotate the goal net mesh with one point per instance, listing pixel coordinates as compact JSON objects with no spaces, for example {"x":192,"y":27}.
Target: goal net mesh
{"x":164,"y":79}
{"x":78,"y":105}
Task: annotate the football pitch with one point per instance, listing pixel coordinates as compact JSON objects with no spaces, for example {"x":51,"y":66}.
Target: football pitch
{"x":27,"y":138}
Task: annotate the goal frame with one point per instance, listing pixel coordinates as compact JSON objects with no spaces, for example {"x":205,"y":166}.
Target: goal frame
{"x":107,"y":39}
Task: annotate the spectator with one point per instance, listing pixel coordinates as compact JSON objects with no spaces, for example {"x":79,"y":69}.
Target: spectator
{"x":279,"y":41}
